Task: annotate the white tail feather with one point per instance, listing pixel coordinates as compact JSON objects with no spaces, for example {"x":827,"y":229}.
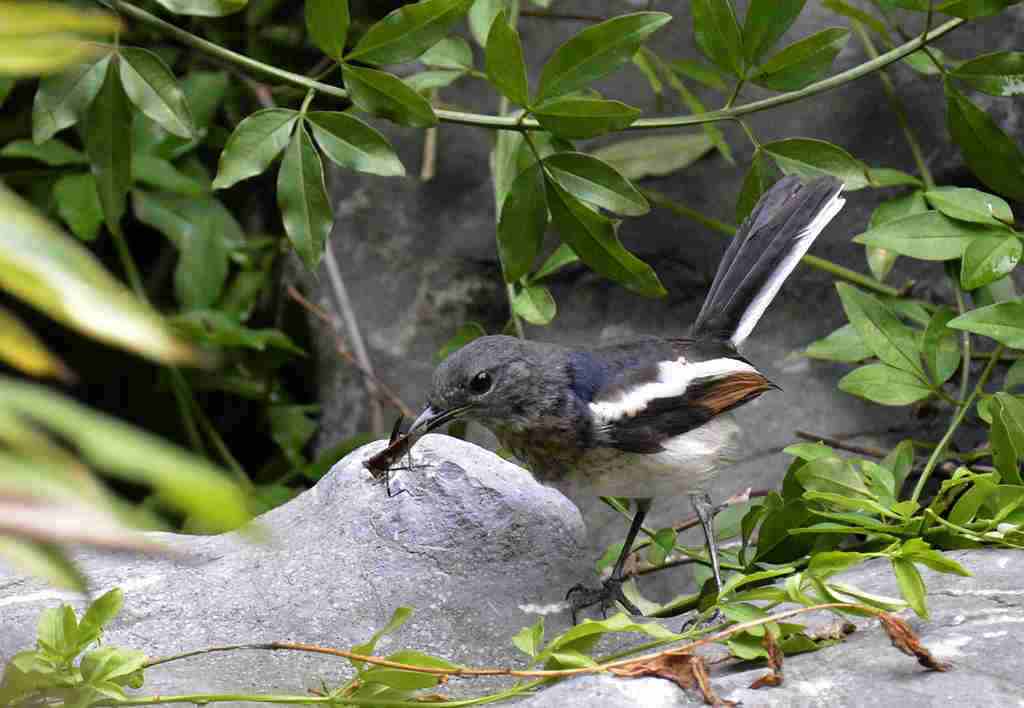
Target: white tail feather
{"x":804,"y":240}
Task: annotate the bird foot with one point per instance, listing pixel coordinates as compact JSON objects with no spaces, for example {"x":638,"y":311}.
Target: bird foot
{"x":610,"y":592}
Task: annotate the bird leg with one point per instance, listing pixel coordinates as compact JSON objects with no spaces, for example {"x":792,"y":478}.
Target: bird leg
{"x":706,"y":514}
{"x":580,"y":596}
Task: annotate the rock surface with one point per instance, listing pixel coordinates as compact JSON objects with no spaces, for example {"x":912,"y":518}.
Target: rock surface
{"x":419,"y":258}
{"x":477,"y":547}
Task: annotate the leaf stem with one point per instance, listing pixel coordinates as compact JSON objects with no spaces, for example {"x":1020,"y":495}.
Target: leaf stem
{"x":735,"y":94}
{"x":659,"y":199}
{"x":511,"y":122}
{"x":957,"y":419}
{"x":897,"y":107}
{"x":965,"y":340}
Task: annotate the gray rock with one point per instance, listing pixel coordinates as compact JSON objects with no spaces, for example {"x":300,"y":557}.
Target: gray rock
{"x":478,"y":548}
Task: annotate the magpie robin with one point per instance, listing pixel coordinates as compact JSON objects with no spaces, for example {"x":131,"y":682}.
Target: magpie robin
{"x":645,"y":417}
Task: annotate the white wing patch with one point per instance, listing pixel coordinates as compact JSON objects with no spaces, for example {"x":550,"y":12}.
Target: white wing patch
{"x":674,"y":377}
{"x":803,"y":242}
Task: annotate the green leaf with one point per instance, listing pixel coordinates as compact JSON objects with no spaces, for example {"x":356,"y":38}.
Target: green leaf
{"x":216,"y":328}
{"x":463,"y":336}
{"x":23,"y":350}
{"x":717,"y":33}
{"x":398,"y":618}
{"x":387,"y":96}
{"x":930,"y":236}
{"x":990,"y":154}
{"x":854,"y":13}
{"x":713,"y":133}
{"x":940,"y":347}
{"x":802,"y":62}
{"x":449,"y":53}
{"x":504,"y":61}
{"x":596,"y":182}
{"x":181,"y":480}
{"x":1015,"y":375}
{"x":41,"y":38}
{"x":924,"y":62}
{"x":706,"y":74}
{"x":78,"y":204}
{"x":535,"y":305}
{"x":891,"y":341}
{"x":595,"y":52}
{"x":654,"y":156}
{"x":829,"y":563}
{"x":759,"y":178}
{"x":833,"y":475}
{"x":161,"y":174}
{"x":578,"y":117}
{"x":774,"y":543}
{"x":765,"y":23}
{"x":109,"y":147}
{"x":1003,"y":322}
{"x":594,"y":240}
{"x":884,"y":384}
{"x":426,"y":81}
{"x":101,"y":611}
{"x":661,"y":547}
{"x":110,"y":663}
{"x":900,"y":461}
{"x":889,"y":177}
{"x":524,"y":218}
{"x":204,"y":8}
{"x":151,"y":86}
{"x":562,"y":257}
{"x":408,"y":31}
{"x":988,"y":259}
{"x":844,"y":344}
{"x":530,"y":640}
{"x":351,"y":143}
{"x":969,"y":9}
{"x":998,"y":74}
{"x":881,"y":260}
{"x":302,"y":197}
{"x":327,"y":23}
{"x":255,"y":143}
{"x":911,"y":586}
{"x":53,"y":152}
{"x":41,"y":266}
{"x":62,"y":99}
{"x":481,"y":17}
{"x":1007,"y":436}
{"x":973,"y":205}
{"x":811,"y":158}
{"x":42,"y":560}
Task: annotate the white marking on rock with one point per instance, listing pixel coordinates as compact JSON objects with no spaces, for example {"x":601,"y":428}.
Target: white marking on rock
{"x":950,"y":646}
{"x":674,"y":377}
{"x":68,"y":596}
{"x":548,"y":609}
{"x":1003,"y":562}
{"x":994,"y":635}
{"x":820,"y":687}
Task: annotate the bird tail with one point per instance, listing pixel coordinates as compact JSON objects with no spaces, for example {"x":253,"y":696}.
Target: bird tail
{"x":765,"y":250}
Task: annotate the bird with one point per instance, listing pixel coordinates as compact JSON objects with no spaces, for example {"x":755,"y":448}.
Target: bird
{"x":648,"y":416}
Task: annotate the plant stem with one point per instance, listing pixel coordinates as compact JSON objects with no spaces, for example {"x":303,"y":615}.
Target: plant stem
{"x":511,"y":122}
{"x":750,"y":133}
{"x":957,"y":419}
{"x":965,"y":340}
{"x":897,"y":107}
{"x":659,"y":199}
{"x":735,"y":94}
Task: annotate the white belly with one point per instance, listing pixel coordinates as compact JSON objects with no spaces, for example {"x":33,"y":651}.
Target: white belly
{"x":687,"y":464}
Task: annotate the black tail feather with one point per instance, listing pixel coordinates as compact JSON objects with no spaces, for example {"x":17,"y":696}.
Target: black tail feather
{"x":765,"y":249}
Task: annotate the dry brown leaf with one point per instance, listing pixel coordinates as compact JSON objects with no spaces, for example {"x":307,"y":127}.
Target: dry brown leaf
{"x":904,"y":639}
{"x":685,"y":670}
{"x":774,"y":675}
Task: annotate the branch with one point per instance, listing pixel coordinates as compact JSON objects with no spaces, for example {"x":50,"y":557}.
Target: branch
{"x":513,"y":123}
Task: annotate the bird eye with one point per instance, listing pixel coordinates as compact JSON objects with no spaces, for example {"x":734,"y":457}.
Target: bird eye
{"x":481,"y":383}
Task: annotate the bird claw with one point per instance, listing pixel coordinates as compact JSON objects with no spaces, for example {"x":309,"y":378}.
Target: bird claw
{"x":580,"y":597}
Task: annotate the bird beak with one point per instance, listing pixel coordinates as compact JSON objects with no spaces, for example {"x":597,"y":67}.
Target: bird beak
{"x":432,"y":418}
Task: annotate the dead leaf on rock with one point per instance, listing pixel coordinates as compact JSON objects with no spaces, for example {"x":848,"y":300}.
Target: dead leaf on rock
{"x":686,"y":670}
{"x":774,"y":675}
{"x":904,"y":639}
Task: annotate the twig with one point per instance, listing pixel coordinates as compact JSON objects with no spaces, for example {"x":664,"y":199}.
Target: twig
{"x":356,"y":337}
{"x":570,"y":16}
{"x":840,"y":445}
{"x":383,"y":390}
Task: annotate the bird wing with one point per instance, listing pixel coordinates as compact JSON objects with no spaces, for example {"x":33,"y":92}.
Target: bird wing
{"x":642,"y":393}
